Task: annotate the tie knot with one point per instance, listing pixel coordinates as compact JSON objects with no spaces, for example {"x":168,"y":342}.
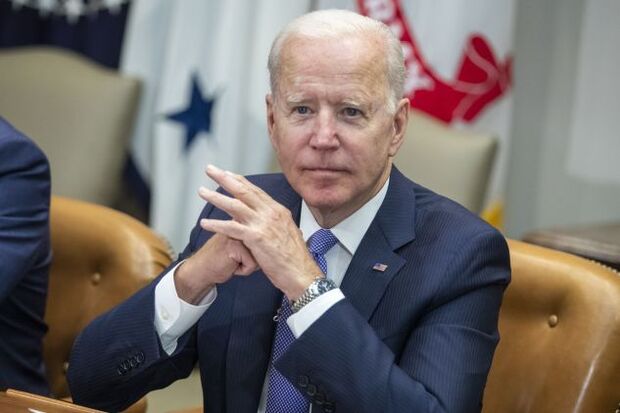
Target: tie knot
{"x":321,"y":241}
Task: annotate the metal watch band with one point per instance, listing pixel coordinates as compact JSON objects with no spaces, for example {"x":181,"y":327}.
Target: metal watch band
{"x":319,"y":286}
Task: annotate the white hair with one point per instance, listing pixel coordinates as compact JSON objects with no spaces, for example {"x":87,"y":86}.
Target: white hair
{"x":330,"y":24}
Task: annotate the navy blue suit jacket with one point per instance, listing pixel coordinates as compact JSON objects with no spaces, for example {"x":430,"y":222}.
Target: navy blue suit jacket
{"x":24,"y":260}
{"x":418,"y":337}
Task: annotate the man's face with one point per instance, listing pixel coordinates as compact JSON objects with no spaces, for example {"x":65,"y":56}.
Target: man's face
{"x":330,"y":125}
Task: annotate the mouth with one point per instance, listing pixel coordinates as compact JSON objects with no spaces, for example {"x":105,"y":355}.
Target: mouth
{"x":325,"y":170}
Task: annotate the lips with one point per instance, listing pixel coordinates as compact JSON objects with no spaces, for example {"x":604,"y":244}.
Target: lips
{"x":325,"y":171}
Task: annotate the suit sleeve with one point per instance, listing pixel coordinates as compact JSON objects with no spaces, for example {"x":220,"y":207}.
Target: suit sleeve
{"x":118,"y":357}
{"x":342,"y":365}
{"x":24,"y":210}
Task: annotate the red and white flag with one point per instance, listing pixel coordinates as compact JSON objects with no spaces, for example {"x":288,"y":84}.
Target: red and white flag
{"x":459,"y":64}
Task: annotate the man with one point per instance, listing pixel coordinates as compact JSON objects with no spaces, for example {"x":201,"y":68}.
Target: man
{"x":24,"y":260}
{"x":413,"y":323}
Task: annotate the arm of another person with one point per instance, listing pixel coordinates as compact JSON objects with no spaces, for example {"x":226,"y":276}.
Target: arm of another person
{"x":24,"y":209}
{"x":446,"y":355}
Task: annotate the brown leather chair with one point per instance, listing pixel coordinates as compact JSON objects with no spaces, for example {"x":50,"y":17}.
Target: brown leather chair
{"x":101,"y":257}
{"x":560,"y":336}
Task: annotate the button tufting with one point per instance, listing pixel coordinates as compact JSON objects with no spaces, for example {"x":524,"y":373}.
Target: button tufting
{"x":553,"y":320}
{"x":65,"y":367}
{"x":95,"y":278}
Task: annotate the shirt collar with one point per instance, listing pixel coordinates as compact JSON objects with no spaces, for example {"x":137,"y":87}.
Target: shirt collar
{"x":351,"y":230}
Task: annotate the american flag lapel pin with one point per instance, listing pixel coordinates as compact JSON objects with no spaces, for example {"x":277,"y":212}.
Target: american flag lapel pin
{"x":379,"y":267}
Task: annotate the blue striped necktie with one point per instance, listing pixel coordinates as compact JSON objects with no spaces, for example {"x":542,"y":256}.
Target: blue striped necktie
{"x":282,"y":396}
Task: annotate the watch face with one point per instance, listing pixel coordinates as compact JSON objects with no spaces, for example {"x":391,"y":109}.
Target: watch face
{"x":324,"y":285}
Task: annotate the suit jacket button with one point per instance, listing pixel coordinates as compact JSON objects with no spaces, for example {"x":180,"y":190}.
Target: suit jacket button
{"x":303,"y":381}
{"x":329,"y":407}
{"x":311,"y":390}
{"x":140,"y":357}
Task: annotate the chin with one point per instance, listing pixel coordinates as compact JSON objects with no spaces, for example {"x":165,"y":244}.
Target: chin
{"x":324,"y":199}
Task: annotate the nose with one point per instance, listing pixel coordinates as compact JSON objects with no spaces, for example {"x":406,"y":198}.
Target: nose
{"x":325,"y":135}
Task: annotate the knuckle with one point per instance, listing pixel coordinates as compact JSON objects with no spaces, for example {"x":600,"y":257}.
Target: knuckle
{"x":282,"y":213}
{"x":255,"y":237}
{"x":243,"y":191}
{"x":273,"y":215}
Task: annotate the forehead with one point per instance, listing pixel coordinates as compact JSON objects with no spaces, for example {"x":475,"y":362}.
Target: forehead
{"x":354,"y":65}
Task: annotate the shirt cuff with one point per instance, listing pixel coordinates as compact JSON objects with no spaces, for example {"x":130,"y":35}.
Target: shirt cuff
{"x":173,"y":316}
{"x":302,"y":320}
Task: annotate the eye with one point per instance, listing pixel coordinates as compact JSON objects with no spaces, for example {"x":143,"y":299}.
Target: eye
{"x":352,"y":112}
{"x":302,"y":110}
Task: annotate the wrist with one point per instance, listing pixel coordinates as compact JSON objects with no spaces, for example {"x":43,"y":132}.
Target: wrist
{"x":297,"y":288}
{"x":319,"y":286}
{"x":187,"y":288}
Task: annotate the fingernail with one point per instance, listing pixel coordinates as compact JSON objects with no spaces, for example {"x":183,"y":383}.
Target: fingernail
{"x":202,"y":190}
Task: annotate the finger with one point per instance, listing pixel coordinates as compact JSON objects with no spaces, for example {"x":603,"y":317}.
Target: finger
{"x":257,"y":191}
{"x":236,"y":209}
{"x":232,"y":229}
{"x":241,"y":189}
{"x":246,"y":269}
{"x":247,"y":263}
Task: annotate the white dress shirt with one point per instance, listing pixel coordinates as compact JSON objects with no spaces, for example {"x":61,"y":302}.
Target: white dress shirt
{"x":173,"y":316}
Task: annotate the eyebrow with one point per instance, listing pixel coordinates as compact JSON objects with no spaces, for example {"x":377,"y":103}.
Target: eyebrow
{"x":300,"y":98}
{"x":295,"y":99}
{"x":354,"y":102}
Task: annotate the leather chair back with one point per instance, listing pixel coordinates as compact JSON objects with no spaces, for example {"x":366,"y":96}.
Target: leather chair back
{"x":559,"y":324}
{"x":452,"y":162}
{"x":101,"y":257}
{"x":80,"y":113}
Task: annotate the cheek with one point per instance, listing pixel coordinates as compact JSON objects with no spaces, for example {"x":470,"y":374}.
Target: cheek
{"x":366,"y":152}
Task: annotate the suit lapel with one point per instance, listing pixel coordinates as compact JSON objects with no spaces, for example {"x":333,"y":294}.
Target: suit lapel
{"x":363,"y":284}
{"x":252,"y":329}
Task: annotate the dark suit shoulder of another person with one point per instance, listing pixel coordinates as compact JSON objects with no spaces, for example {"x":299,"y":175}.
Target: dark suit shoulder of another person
{"x":24,"y":260}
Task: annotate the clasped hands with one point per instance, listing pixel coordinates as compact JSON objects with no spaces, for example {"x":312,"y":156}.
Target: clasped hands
{"x":261,"y":233}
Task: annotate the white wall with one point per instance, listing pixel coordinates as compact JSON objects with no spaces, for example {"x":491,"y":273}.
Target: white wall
{"x":540,"y":190}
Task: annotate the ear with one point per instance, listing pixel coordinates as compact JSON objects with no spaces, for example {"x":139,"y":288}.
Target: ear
{"x":270,"y":118}
{"x":399,"y":123}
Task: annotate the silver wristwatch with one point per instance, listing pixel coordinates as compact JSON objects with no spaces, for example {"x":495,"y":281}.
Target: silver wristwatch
{"x":319,"y":286}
